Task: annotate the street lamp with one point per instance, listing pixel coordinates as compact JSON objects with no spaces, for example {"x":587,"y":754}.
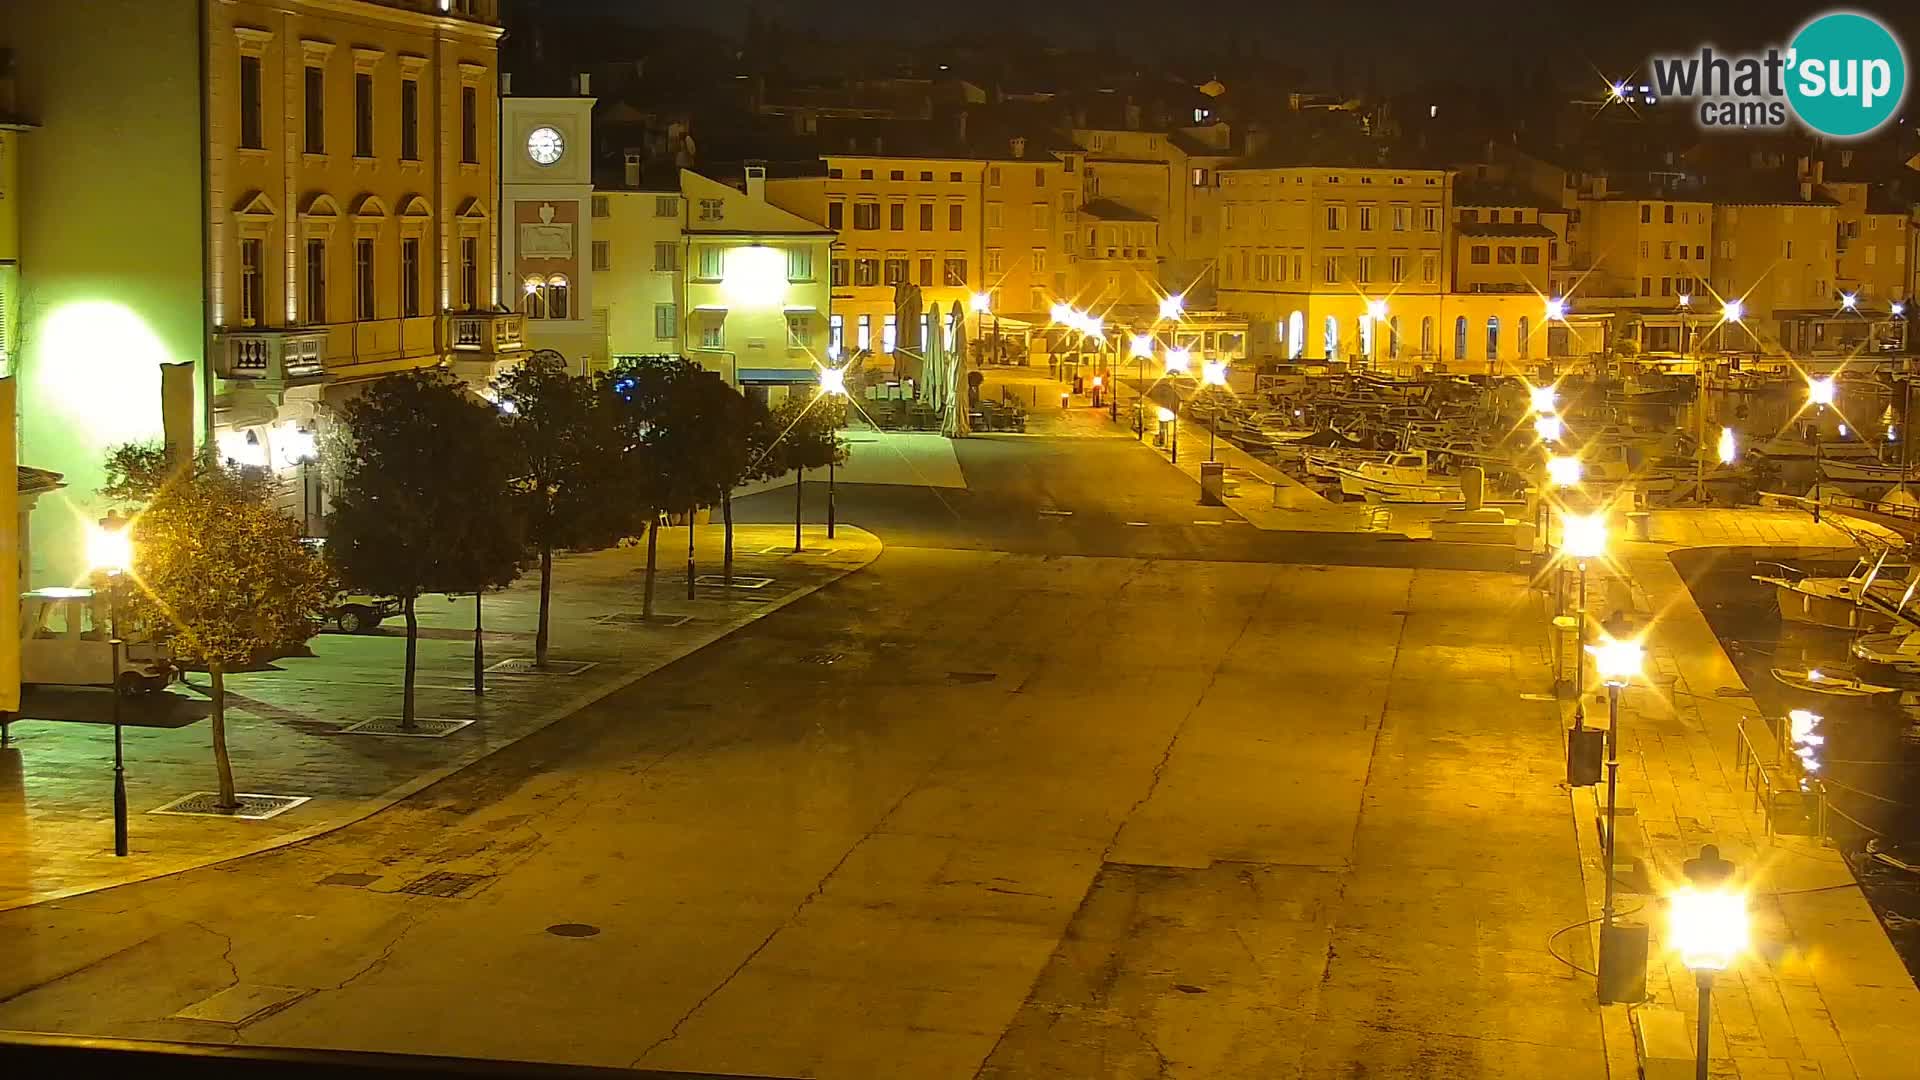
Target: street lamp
{"x":1179,"y":361}
{"x":110,"y":550}
{"x":1849,"y":301}
{"x":1732,"y":310}
{"x":1707,"y":919}
{"x":1173,"y":306}
{"x":833,"y":383}
{"x":1617,"y":663}
{"x":1819,"y":395}
{"x":1582,"y":537}
{"x":982,"y":303}
{"x":1556,"y":309}
{"x":1213,"y":375}
{"x":1542,"y":399}
{"x":1549,"y":428}
{"x":1167,"y":418}
{"x":1563,"y":471}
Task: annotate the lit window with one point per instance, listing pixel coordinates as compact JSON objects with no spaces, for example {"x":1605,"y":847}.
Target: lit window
{"x":799,"y":331}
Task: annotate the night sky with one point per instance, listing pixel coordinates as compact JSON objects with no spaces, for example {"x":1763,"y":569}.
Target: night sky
{"x":1410,"y":40}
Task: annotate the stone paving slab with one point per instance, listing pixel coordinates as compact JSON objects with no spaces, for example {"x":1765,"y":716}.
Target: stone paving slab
{"x":285,"y":725}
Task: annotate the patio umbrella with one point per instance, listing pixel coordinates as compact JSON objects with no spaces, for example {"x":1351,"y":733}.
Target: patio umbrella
{"x":955,"y":424}
{"x":932,"y":380}
{"x":907,"y":346}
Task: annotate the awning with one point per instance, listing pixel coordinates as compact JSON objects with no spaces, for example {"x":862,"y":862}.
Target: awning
{"x":777,"y":375}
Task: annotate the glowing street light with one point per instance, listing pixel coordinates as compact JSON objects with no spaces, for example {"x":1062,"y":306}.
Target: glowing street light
{"x":1617,"y":663}
{"x":1686,"y":300}
{"x":1849,"y":302}
{"x":1179,"y":361}
{"x":1542,"y":399}
{"x":1728,"y":451}
{"x":1563,"y":471}
{"x":1213,"y":373}
{"x":1141,"y":347}
{"x":1819,"y":395}
{"x":1583,"y":536}
{"x":1556,"y":308}
{"x":1061,"y":313}
{"x":1897,"y":309}
{"x":1820,"y":391}
{"x":1173,"y":306}
{"x":1377,"y":310}
{"x":1707,"y":923}
{"x":1549,"y":428}
{"x":1167,"y":418}
{"x":1732,"y":310}
{"x":833,"y":383}
{"x":110,"y":551}
{"x":981,"y":303}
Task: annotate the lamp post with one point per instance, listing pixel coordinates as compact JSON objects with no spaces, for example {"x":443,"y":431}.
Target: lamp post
{"x":982,"y":303}
{"x":1213,"y":375}
{"x":110,"y":549}
{"x":1819,"y":395}
{"x":1169,"y":418}
{"x":1583,"y":537}
{"x":833,"y":383}
{"x":1563,"y":471}
{"x":1617,"y":663}
{"x":1141,"y":347}
{"x":1708,"y":920}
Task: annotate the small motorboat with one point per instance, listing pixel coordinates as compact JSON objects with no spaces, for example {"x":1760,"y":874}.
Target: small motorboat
{"x":1836,"y":603}
{"x":1898,"y":651}
{"x":1816,"y":681}
{"x":1403,"y":478}
{"x":1867,"y":472}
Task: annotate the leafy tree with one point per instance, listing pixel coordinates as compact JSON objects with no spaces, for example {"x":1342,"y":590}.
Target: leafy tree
{"x":659,"y":401}
{"x":804,"y":433}
{"x":222,"y":575}
{"x":568,"y":454}
{"x":732,"y":451}
{"x":424,"y":505}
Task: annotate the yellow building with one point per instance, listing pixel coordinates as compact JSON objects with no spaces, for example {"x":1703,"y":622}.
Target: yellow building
{"x":638,"y":264}
{"x":288,"y":196}
{"x":1872,"y":239}
{"x":1170,"y":178}
{"x":548,"y":249}
{"x":1774,"y":252}
{"x":1644,"y":253}
{"x":756,"y":286}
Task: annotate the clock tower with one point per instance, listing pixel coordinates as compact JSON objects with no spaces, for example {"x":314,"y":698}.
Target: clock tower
{"x":546,"y":239}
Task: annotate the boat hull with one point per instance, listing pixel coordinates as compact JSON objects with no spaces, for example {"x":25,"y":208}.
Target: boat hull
{"x":1834,"y":613}
{"x":1427,"y":494}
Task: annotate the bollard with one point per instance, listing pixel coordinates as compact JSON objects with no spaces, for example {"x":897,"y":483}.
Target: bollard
{"x":1066,"y":399}
{"x":1473,"y":486}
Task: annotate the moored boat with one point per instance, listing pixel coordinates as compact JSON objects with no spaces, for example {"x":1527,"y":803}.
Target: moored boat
{"x":1816,"y":681}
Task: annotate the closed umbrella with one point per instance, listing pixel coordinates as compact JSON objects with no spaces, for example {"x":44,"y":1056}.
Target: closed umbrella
{"x":956,"y":424}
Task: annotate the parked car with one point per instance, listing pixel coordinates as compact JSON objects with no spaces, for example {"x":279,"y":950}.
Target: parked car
{"x":64,"y":642}
{"x":360,"y":613}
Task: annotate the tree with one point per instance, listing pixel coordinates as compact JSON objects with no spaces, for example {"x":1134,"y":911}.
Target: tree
{"x":659,"y":400}
{"x":805,"y":434}
{"x":568,"y":452}
{"x":223,"y":576}
{"x":424,"y":505}
{"x":732,"y":451}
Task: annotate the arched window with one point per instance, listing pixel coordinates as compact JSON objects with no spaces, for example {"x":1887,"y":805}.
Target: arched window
{"x":1426,"y":335}
{"x":535,"y":304}
{"x":1296,"y":335}
{"x":1523,"y":337}
{"x":1363,"y":333}
{"x":1493,"y":338}
{"x":557,"y":297}
{"x":1332,"y":338}
{"x":1460,"y":338}
{"x":1393,"y":338}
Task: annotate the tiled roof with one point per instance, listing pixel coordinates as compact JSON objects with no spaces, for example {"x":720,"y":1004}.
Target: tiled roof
{"x":1486,"y":193}
{"x":1108,"y":210}
{"x":34,"y":481}
{"x":1503,"y":229}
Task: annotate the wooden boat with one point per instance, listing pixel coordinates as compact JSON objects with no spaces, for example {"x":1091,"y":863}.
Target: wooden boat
{"x":1321,"y":461}
{"x":1816,"y":681}
{"x":1867,"y":472}
{"x":1835,"y":603}
{"x":1403,"y":478}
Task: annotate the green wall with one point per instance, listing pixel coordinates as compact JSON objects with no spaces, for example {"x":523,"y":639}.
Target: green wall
{"x":111,"y":245}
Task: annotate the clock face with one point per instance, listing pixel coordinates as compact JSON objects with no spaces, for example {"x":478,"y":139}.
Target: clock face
{"x":544,"y":145}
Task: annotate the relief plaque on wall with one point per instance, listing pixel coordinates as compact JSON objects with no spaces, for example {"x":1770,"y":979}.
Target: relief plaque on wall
{"x":546,"y":240}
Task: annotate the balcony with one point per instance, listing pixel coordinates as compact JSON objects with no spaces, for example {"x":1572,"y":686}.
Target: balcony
{"x":486,"y":332}
{"x":270,"y":356}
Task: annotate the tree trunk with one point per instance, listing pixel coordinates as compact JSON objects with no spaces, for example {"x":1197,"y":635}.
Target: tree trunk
{"x":653,"y":545}
{"x":546,"y":605}
{"x":222,"y":764}
{"x":479,"y":651}
{"x":799,"y":483}
{"x":690,"y":573}
{"x":406,"y":685}
{"x":726,"y":560}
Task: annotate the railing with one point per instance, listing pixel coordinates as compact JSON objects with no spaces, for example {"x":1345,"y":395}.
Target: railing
{"x":495,"y":331}
{"x":270,"y":354}
{"x":1767,"y":787}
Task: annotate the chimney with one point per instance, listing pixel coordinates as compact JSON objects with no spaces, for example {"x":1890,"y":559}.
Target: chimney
{"x":506,"y":84}
{"x":757,"y":183}
{"x":960,"y":126}
{"x":1019,"y":147}
{"x":583,"y":84}
{"x":633,"y":169}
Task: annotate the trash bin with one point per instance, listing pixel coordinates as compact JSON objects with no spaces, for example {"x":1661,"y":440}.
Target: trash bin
{"x":1640,"y":524}
{"x":1213,"y":483}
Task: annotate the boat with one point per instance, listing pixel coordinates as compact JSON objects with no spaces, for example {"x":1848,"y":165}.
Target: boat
{"x":1836,"y":603}
{"x":1403,"y":478}
{"x":1794,"y":448}
{"x":1321,"y":461}
{"x":1816,"y":681}
{"x":1897,"y":651}
{"x":1868,"y":472}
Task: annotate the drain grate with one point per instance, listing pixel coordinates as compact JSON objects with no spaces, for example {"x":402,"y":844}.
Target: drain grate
{"x":719,"y":581}
{"x":242,"y":1003}
{"x":523,"y":665}
{"x":424,"y":727}
{"x":352,"y":881}
{"x":824,"y":659}
{"x":962,"y":678}
{"x":636,"y":618}
{"x":253,"y":807}
{"x":447,"y":885}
